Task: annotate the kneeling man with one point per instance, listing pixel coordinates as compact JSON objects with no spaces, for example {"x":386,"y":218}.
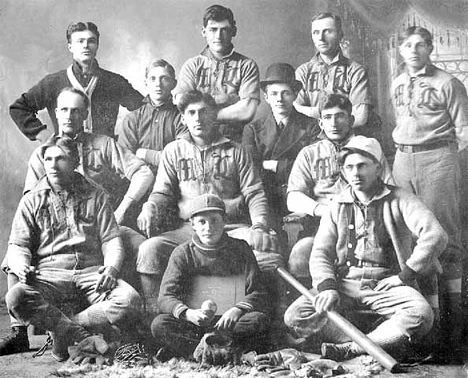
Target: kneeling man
{"x":363,"y":258}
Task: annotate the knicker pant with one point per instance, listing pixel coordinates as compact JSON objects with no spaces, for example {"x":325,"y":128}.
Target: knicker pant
{"x":404,"y":309}
{"x":34,"y":303}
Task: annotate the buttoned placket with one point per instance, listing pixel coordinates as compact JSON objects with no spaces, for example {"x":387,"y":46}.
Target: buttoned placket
{"x":66,"y":210}
{"x":410,"y":94}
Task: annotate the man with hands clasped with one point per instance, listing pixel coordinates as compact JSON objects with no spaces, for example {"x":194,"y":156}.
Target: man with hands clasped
{"x":363,"y":257}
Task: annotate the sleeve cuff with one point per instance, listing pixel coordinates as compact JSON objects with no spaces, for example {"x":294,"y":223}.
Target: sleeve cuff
{"x":245,"y":307}
{"x":407,"y":275}
{"x":328,"y":284}
{"x":179,"y":310}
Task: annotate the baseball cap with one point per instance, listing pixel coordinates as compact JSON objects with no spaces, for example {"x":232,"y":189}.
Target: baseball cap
{"x":365,"y":146}
{"x":207,"y":202}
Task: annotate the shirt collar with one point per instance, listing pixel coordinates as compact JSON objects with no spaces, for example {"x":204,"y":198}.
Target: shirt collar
{"x":284,"y":120}
{"x":78,"y":70}
{"x":348,"y":195}
{"x":217,"y":140}
{"x":340,"y":145}
{"x":167,"y":104}
{"x":339,"y":58}
{"x":212,"y":248}
{"x":79,"y":188}
{"x":427,"y":70}
{"x":207,"y":52}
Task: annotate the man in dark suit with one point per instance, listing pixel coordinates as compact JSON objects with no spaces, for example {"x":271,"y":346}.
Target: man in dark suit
{"x":276,"y":139}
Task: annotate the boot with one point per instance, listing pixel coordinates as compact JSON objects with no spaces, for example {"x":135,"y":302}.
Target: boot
{"x":16,"y":342}
{"x":339,"y":352}
{"x":64,"y":338}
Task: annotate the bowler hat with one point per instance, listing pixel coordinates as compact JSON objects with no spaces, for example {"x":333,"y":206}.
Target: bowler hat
{"x":207,"y":202}
{"x":281,"y":73}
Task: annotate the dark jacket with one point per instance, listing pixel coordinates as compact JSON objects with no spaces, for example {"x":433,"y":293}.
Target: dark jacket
{"x":262,"y":140}
{"x":112,"y":90}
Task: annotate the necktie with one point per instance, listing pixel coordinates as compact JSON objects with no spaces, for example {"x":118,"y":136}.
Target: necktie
{"x":280,"y":127}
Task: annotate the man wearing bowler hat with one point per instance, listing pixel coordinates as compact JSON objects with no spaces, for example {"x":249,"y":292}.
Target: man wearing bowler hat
{"x":276,"y":139}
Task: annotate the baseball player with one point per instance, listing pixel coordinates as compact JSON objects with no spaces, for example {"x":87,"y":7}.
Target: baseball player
{"x":431,"y":127}
{"x":147,"y":130}
{"x":231,"y":78}
{"x":106,"y":90}
{"x":64,"y":243}
{"x":202,"y":161}
{"x":329,"y":71}
{"x":372,"y":246}
{"x":106,"y":164}
{"x":315,"y":177}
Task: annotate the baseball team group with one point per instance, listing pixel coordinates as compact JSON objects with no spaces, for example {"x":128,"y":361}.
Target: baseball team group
{"x":167,"y":229}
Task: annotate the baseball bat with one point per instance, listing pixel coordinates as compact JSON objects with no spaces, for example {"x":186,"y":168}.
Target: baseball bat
{"x":387,"y":361}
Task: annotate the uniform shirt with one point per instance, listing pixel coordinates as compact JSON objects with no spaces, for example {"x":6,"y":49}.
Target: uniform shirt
{"x":102,"y":161}
{"x":342,"y":75}
{"x":316,"y":171}
{"x":224,"y":168}
{"x":230,"y":257}
{"x":234,"y":75}
{"x":112,"y":90}
{"x":431,"y":107}
{"x":373,"y":243}
{"x":151,"y":127}
{"x":64,"y":231}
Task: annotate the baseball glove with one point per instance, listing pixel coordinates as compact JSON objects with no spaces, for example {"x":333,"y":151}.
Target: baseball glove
{"x":217,"y":349}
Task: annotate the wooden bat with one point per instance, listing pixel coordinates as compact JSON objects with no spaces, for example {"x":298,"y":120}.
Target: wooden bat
{"x":387,"y":361}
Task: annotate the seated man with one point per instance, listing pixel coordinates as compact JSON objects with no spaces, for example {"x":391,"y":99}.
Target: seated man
{"x":104,"y":163}
{"x":65,"y":242}
{"x":147,"y":130}
{"x":203,"y":161}
{"x":106,"y":90}
{"x":276,"y":139}
{"x":231,"y":78}
{"x":363,"y":258}
{"x":210,"y":253}
{"x":315,"y":177}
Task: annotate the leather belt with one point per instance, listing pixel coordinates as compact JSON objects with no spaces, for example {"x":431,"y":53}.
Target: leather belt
{"x":368,"y":264}
{"x":409,"y":149}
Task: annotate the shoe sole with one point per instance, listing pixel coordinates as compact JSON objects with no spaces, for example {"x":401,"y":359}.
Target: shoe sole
{"x":60,"y":358}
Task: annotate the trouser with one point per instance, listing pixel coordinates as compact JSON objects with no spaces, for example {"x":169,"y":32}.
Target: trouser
{"x":298,"y":262}
{"x":35,"y":302}
{"x":434,"y":176}
{"x":403,"y":308}
{"x":131,"y":241}
{"x":181,"y":336}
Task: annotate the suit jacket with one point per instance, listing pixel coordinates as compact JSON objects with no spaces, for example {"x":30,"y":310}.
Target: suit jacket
{"x":262,"y":140}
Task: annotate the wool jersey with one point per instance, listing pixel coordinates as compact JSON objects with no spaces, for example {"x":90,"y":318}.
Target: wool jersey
{"x":430,"y":107}
{"x":342,"y":75}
